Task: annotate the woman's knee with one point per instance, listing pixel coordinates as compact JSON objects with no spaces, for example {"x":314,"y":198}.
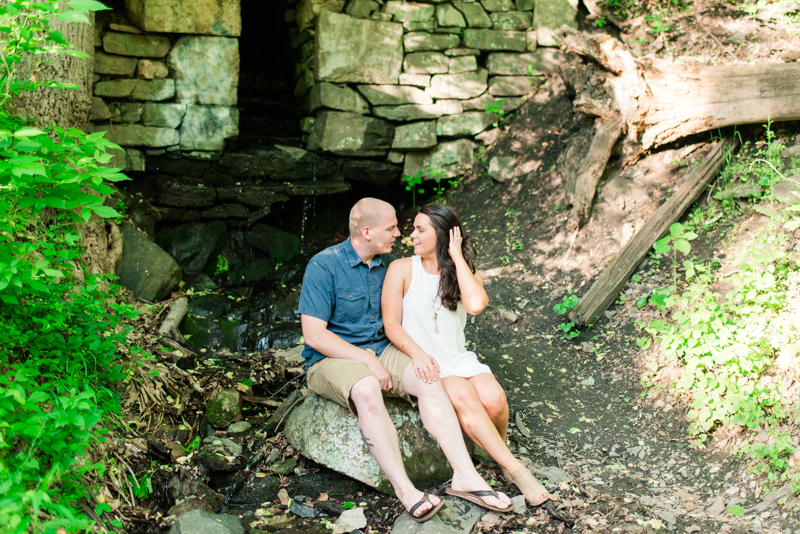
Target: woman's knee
{"x":463,"y":396}
{"x":493,"y":398}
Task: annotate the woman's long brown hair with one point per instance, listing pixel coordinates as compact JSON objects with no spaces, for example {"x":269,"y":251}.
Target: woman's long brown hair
{"x":443,"y":218}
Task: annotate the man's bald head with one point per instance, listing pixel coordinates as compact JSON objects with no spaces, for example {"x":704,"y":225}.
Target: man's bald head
{"x":368,"y":213}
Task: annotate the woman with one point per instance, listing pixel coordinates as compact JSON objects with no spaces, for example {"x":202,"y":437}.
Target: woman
{"x":425,"y":302}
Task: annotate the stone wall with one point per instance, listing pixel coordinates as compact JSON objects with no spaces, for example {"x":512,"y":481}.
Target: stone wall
{"x":166,"y":78}
{"x":410,"y":82}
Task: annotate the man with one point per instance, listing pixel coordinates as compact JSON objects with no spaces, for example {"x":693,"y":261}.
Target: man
{"x":350,"y":360}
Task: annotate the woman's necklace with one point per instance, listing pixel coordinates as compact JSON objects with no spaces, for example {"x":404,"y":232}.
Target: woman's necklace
{"x":433,"y":304}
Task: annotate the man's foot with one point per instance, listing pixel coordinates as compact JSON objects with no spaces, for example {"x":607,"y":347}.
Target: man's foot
{"x":474,"y":483}
{"x":419,"y":504}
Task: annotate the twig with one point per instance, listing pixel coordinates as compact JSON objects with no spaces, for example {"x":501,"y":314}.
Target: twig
{"x":195,"y":385}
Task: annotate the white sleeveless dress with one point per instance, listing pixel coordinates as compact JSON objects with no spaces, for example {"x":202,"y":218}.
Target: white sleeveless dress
{"x":447,"y":346}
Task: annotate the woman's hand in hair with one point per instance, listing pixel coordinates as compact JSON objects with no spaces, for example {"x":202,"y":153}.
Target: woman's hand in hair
{"x":425,"y":367}
{"x":454,"y":249}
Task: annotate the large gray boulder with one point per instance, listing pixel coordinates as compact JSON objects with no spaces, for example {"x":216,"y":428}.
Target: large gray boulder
{"x":328,"y":433}
{"x":206,"y":70}
{"x":207,"y":127}
{"x":163,"y":115}
{"x":145,"y":269}
{"x":356,"y":50}
{"x":350,"y":134}
{"x":451,"y":157}
{"x":200,"y":522}
{"x":204,"y":17}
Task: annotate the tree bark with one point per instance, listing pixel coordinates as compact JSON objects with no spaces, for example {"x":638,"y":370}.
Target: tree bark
{"x":65,"y":108}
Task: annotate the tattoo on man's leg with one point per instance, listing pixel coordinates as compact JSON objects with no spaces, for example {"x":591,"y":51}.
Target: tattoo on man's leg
{"x":366,"y":440}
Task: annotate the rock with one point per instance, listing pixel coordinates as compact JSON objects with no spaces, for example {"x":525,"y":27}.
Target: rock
{"x":426,"y":63}
{"x":786,"y":191}
{"x":145,"y":269}
{"x":525,"y":5}
{"x":192,"y":494}
{"x":257,"y":490}
{"x":410,"y":112}
{"x":507,"y":315}
{"x":532,"y":39}
{"x":447,"y":15}
{"x":185,"y":196}
{"x":480,"y":103}
{"x":669,"y":517}
{"x":207,"y":127}
{"x":239,"y":429}
{"x":497,"y":5}
{"x":130,"y":112}
{"x":392,"y":95}
{"x":460,"y":86}
{"x":302,"y":510}
{"x":206,"y":70}
{"x":415,"y":136}
{"x":767,"y":503}
{"x":200,"y":522}
{"x":553,"y":474}
{"x":137,"y":135}
{"x":342,"y":98}
{"x":127,"y":159}
{"x":474,"y":13}
{"x":512,"y":20}
{"x":346,"y":51}
{"x":457,"y":516}
{"x":489,"y":136}
{"x":513,"y":85}
{"x":309,"y":10}
{"x":277,"y":420}
{"x":451,"y":157}
{"x":204,"y":17}
{"x":279,"y":163}
{"x":123,"y":28}
{"x":361,"y":9}
{"x":163,"y":115}
{"x":328,"y":434}
{"x":350,"y":520}
{"x":464,"y":124}
{"x":304,"y":83}
{"x":128,"y":44}
{"x":115,"y":88}
{"x":316,"y":187}
{"x":224,"y":409}
{"x":549,"y":15}
{"x":422,"y":41}
{"x":349,"y":134}
{"x":791,"y":152}
{"x":369,"y":171}
{"x":542,"y":61}
{"x":520,"y":506}
{"x":419,"y":80}
{"x":495,"y":40}
{"x":225,"y":211}
{"x":150,"y":70}
{"x":280,"y":245}
{"x":100,"y":111}
{"x":154,"y":90}
{"x":409,"y":11}
{"x":117,"y":65}
{"x":502,"y":168}
{"x":463,"y":64}
{"x":284,"y":467}
{"x":717,"y":507}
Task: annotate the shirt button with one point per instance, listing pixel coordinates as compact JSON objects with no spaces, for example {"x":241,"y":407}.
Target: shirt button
{"x":351,"y":296}
{"x":373,"y":317}
{"x":370,"y":294}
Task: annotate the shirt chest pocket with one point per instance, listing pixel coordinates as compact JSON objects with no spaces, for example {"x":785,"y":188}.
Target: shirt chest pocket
{"x":351,"y":304}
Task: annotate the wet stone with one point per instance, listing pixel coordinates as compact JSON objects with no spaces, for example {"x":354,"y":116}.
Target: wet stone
{"x":284,"y":467}
{"x":225,"y":211}
{"x":302,"y":510}
{"x":224,"y":409}
{"x":256,"y":490}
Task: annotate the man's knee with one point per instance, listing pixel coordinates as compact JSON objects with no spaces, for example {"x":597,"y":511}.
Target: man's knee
{"x":367,"y":396}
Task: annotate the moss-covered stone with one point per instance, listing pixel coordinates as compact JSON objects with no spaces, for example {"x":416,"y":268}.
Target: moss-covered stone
{"x":223,"y":409}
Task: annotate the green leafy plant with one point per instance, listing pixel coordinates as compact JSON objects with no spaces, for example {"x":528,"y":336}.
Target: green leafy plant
{"x":676,"y":241}
{"x":222,"y":265}
{"x":412,"y":184}
{"x":494,"y":108}
{"x":568,"y":302}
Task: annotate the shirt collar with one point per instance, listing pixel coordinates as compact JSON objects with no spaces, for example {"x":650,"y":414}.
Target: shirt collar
{"x":354,"y":259}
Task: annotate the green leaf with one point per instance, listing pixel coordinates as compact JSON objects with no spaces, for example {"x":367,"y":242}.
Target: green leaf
{"x":662,"y":245}
{"x":736,"y":509}
{"x":105,"y":211}
{"x":28,"y":132}
{"x":676,"y":229}
{"x":348,"y":505}
{"x":682,"y":246}
{"x":73,"y":16}
{"x":87,"y":5}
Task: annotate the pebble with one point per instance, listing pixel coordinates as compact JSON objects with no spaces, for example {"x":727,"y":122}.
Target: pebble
{"x":717,"y":507}
{"x":302,"y":510}
{"x":520,"y":506}
{"x":350,"y":520}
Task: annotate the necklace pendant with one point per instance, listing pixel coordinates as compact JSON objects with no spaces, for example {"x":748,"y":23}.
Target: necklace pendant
{"x":435,"y":323}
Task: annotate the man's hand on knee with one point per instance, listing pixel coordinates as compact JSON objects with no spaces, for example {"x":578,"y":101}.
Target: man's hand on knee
{"x":380,"y":372}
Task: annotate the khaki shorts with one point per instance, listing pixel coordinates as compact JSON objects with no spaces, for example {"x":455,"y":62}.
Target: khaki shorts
{"x":333,"y":378}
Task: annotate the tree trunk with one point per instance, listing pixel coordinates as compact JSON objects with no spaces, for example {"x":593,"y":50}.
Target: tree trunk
{"x":60,"y":107}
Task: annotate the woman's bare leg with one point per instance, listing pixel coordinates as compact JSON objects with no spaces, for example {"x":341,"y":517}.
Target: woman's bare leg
{"x":494,"y":401}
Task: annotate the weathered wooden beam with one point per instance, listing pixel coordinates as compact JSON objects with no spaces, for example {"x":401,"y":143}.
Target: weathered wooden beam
{"x":605,"y":290}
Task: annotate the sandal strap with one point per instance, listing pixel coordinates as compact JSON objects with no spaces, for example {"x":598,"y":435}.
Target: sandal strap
{"x":425,"y":498}
{"x":483,"y":493}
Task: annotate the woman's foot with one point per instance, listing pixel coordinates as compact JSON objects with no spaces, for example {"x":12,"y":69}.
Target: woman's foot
{"x":417,"y":503}
{"x":535,"y":494}
{"x":473,"y":483}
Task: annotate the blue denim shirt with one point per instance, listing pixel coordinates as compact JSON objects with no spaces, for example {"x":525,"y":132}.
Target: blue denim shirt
{"x":345,"y":292}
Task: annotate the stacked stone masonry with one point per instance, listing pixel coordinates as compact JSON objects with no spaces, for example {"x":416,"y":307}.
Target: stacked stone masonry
{"x":414,"y":82}
{"x":166,"y":79}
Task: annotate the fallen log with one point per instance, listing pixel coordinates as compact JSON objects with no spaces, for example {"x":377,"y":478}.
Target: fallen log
{"x":169,"y":328}
{"x":605,"y":290}
{"x":660,"y":102}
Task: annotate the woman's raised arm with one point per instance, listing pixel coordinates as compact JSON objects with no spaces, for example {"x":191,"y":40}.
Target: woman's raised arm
{"x":473,"y":295}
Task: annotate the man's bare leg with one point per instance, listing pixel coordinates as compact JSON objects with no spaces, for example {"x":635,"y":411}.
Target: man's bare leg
{"x":381,"y":438}
{"x":440,"y":420}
